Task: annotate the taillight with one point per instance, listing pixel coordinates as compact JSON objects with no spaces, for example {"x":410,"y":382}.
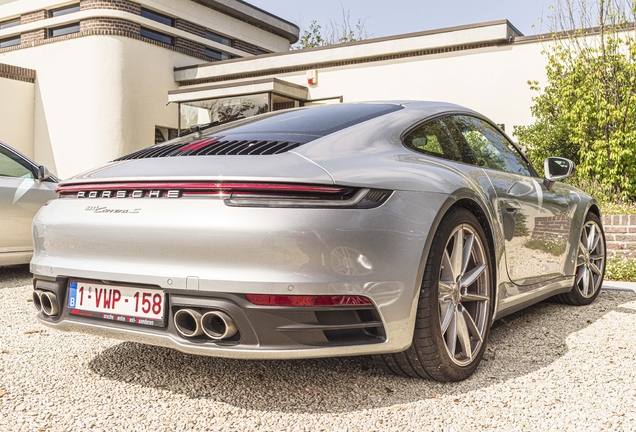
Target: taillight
{"x":236,"y":194}
{"x":343,"y":198}
{"x":306,"y":300}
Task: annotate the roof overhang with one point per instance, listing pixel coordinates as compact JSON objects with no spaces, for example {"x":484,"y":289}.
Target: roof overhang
{"x":497,"y":32}
{"x":257,"y":17}
{"x":268,"y":85}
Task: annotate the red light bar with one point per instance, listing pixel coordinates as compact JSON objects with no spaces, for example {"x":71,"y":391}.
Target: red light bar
{"x":200,"y":186}
{"x":301,"y":300}
{"x":197,"y":144}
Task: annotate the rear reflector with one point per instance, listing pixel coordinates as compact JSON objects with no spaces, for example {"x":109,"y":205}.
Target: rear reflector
{"x":300,"y":300}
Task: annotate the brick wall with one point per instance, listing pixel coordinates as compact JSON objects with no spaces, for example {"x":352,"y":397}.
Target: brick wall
{"x":109,"y":26}
{"x":189,"y":46}
{"x":33,"y":37}
{"x":118,"y":27}
{"x":17,"y":73}
{"x":34,"y":16}
{"x":620,"y":234}
{"x":189,"y":27}
{"x":244,"y":46}
{"x":120,"y":5}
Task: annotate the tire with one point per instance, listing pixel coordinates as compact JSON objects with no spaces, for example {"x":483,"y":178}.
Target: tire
{"x":463,"y":308}
{"x":590,"y":264}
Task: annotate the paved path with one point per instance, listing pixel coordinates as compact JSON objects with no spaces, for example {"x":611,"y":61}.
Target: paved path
{"x":619,"y":286}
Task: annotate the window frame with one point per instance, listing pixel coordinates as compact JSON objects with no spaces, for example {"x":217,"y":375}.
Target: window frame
{"x":531,"y":169}
{"x":151,"y":31}
{"x":10,"y":39}
{"x":221,"y":53}
{"x":14,"y":22}
{"x":64,"y":10}
{"x":65,"y":26}
{"x":216,"y":36}
{"x":20,"y":160}
{"x":153,"y":15}
{"x":473,"y":162}
{"x":463,"y":147}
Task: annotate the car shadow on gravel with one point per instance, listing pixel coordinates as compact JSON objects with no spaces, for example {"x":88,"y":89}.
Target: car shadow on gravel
{"x":519,"y":344}
{"x":16,"y":275}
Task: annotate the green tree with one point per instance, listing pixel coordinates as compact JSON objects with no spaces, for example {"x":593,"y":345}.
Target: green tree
{"x":587,"y":110}
{"x":334,"y":32}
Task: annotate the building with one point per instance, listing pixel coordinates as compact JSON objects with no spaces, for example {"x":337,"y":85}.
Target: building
{"x":485,"y":66}
{"x":86,"y":82}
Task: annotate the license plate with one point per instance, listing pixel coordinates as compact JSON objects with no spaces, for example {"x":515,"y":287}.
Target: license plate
{"x":117,"y":303}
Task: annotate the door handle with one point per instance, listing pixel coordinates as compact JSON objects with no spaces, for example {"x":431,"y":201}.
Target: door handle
{"x":511,"y":206}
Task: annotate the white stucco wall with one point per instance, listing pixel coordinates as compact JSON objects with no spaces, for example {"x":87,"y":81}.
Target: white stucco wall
{"x":490,"y":80}
{"x":17,"y":99}
{"x":97,"y":98}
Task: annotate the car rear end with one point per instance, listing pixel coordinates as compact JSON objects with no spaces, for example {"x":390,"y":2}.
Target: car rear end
{"x":244,"y":255}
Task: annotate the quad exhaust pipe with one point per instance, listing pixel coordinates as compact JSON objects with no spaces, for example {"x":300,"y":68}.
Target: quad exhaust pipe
{"x":188,"y":323}
{"x":45,"y":302}
{"x":216,"y":325}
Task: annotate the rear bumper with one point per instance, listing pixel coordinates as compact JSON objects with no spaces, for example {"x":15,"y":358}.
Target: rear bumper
{"x":264,"y":332}
{"x":204,"y":254}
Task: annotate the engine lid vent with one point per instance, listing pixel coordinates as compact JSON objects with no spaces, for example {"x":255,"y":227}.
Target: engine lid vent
{"x":215,"y":146}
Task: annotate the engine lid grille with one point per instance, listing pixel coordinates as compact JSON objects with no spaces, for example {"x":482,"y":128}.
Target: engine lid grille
{"x":214,"y":146}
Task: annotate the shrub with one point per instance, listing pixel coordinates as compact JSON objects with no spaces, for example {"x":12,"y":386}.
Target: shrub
{"x":620,"y":268}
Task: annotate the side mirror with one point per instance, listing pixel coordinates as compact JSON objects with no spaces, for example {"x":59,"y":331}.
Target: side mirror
{"x":43,"y":173}
{"x":556,"y":169}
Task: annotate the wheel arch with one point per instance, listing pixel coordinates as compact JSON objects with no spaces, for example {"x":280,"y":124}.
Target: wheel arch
{"x":594,"y":208}
{"x":469,"y":200}
{"x":486,"y":224}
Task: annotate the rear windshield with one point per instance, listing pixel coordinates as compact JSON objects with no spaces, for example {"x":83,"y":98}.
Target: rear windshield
{"x":317,"y":121}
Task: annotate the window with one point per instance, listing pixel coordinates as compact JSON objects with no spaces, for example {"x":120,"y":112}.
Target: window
{"x":218,"y":38}
{"x":64,"y":10}
{"x":4,"y":43}
{"x":11,"y":165}
{"x":67,"y":29}
{"x":159,"y":37}
{"x":163,"y":134}
{"x":220,"y":110}
{"x":490,"y":148}
{"x":217,"y":55}
{"x":435,"y":138}
{"x":155,"y":16}
{"x":261,"y":52}
{"x":9,"y":23}
{"x":282,"y":102}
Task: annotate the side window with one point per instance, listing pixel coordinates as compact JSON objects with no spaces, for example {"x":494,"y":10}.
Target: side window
{"x":12,"y":166}
{"x":434,"y":138}
{"x":491,"y":149}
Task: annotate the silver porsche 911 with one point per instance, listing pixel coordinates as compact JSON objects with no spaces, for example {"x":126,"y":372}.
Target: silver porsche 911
{"x":399,"y":229}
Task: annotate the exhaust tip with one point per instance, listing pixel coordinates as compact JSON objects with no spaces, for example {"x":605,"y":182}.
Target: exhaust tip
{"x":37,"y":301}
{"x":48,"y":300}
{"x":188,"y":323}
{"x":218,"y":325}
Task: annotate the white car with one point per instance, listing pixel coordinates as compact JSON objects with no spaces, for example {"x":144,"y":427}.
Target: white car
{"x":25,"y":186}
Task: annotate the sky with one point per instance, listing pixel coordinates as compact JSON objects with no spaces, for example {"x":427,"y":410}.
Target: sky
{"x":392,"y":17}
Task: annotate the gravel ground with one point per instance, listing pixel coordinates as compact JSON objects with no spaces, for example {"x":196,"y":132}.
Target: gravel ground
{"x":550,"y":367}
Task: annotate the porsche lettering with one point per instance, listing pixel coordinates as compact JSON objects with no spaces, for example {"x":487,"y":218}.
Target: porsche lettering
{"x":130,"y":194}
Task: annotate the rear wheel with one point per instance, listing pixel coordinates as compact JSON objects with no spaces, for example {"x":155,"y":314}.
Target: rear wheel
{"x":590,"y":264}
{"x":455,"y":305}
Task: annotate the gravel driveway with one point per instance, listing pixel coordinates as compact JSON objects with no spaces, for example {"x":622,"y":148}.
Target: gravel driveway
{"x":550,"y":367}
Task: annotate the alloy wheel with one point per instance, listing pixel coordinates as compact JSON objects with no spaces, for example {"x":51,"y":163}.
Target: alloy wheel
{"x":464,"y":295}
{"x":591,"y":260}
